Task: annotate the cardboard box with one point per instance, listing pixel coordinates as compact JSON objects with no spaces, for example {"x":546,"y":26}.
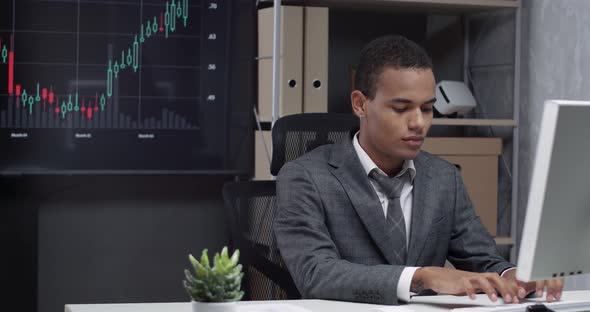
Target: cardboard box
{"x":477,"y":158}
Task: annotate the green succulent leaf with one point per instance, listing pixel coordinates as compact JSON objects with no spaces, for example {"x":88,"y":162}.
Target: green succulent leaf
{"x":205,"y":258}
{"x":235,"y":257}
{"x":218,"y":283}
{"x":201,"y":270}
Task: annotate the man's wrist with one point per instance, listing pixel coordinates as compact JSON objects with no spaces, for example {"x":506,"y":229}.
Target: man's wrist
{"x":404,"y":284}
{"x":418,"y":284}
{"x":503,"y":274}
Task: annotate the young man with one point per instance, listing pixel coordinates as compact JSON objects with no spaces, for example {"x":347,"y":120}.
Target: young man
{"x":374,"y":218}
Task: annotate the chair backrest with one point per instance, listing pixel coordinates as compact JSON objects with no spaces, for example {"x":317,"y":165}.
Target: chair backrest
{"x":295,"y":135}
{"x":251,"y":207}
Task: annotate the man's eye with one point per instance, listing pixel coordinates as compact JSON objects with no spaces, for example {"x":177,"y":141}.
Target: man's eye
{"x":427,"y":109}
{"x":399,"y":109}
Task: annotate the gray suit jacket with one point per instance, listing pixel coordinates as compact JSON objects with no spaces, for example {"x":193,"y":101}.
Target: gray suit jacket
{"x":334,"y":240}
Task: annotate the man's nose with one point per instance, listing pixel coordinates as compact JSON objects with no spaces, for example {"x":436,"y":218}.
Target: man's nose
{"x":416,"y":121}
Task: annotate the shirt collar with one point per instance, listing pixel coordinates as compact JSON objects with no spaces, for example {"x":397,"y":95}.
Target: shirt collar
{"x":368,"y":164}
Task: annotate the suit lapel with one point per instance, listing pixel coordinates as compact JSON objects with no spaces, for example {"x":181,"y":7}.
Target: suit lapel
{"x":349,"y":171}
{"x":422,"y":209}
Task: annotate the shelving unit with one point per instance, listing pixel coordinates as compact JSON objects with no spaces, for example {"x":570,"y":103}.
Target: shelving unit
{"x":438,"y":6}
{"x":474,"y":122}
{"x":504,"y":240}
{"x":454,"y":7}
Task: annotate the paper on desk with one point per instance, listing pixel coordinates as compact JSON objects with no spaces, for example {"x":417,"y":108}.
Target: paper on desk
{"x":480,"y":300}
{"x":445,"y":300}
{"x":392,"y":309}
{"x":284,"y":307}
{"x":482,"y":303}
{"x":272,"y":307}
{"x":566,"y":305}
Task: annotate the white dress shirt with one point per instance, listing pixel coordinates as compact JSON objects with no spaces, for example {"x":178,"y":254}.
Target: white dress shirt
{"x":405,"y":280}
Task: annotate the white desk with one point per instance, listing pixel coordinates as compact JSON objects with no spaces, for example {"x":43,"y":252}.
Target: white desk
{"x":418,"y":304}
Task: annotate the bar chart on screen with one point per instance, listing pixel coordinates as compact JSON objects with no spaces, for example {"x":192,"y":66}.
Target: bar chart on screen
{"x":112,"y":72}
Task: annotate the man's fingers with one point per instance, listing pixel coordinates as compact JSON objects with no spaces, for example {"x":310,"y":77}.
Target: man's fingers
{"x":539,"y":286}
{"x":526,"y":288}
{"x":484,"y":284}
{"x":517,"y":291}
{"x":507,"y":287}
{"x":558,"y":288}
{"x":554,"y":289}
{"x":522,"y":292}
{"x":520,"y":288}
{"x":551,"y":287}
{"x":469,"y":289}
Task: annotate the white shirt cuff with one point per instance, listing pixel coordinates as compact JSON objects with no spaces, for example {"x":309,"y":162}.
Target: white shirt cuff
{"x":502,"y":275}
{"x":404,"y":283}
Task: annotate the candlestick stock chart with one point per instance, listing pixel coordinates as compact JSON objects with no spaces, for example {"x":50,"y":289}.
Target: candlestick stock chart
{"x":128,"y":85}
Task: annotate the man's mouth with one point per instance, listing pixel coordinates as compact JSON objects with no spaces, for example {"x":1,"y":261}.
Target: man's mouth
{"x":415,"y":140}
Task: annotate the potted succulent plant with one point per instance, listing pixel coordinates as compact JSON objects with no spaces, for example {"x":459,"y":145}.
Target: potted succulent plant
{"x":215,"y":288}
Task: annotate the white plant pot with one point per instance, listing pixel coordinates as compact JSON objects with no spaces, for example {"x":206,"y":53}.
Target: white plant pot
{"x":214,"y":306}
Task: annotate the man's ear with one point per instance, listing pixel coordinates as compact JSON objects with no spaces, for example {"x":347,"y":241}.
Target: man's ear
{"x":359,"y":103}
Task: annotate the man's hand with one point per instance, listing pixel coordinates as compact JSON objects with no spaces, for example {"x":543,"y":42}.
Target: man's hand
{"x":554,"y":286}
{"x":456,"y":282}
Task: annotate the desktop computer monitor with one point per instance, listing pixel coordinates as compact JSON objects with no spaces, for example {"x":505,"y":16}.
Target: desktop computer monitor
{"x":556,"y":235}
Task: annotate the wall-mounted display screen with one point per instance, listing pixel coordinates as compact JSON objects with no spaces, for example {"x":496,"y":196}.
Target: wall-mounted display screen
{"x":126,"y":85}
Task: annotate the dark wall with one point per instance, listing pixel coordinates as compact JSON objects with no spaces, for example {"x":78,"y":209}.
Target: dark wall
{"x":93,"y":239}
{"x":122,"y":238}
{"x":243,"y":88}
{"x":18,"y":232}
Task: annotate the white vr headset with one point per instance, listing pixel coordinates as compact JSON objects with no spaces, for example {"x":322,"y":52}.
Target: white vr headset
{"x":453,"y":97}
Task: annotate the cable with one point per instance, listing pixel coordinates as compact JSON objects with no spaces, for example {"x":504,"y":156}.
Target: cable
{"x":261,"y":133}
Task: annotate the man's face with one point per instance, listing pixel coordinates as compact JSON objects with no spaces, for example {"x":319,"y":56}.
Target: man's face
{"x":397,"y":119}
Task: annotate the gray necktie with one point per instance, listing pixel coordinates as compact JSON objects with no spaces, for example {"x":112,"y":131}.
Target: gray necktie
{"x":392,"y":188}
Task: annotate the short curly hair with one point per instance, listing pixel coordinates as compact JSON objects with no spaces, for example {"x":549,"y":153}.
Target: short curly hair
{"x":388,"y":51}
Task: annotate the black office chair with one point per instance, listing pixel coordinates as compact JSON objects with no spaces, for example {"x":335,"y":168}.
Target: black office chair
{"x":295,"y":135}
{"x":251,"y":213}
{"x":251,"y":205}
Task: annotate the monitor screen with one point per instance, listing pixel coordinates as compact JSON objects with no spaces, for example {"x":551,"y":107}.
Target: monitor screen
{"x":556,"y":235}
